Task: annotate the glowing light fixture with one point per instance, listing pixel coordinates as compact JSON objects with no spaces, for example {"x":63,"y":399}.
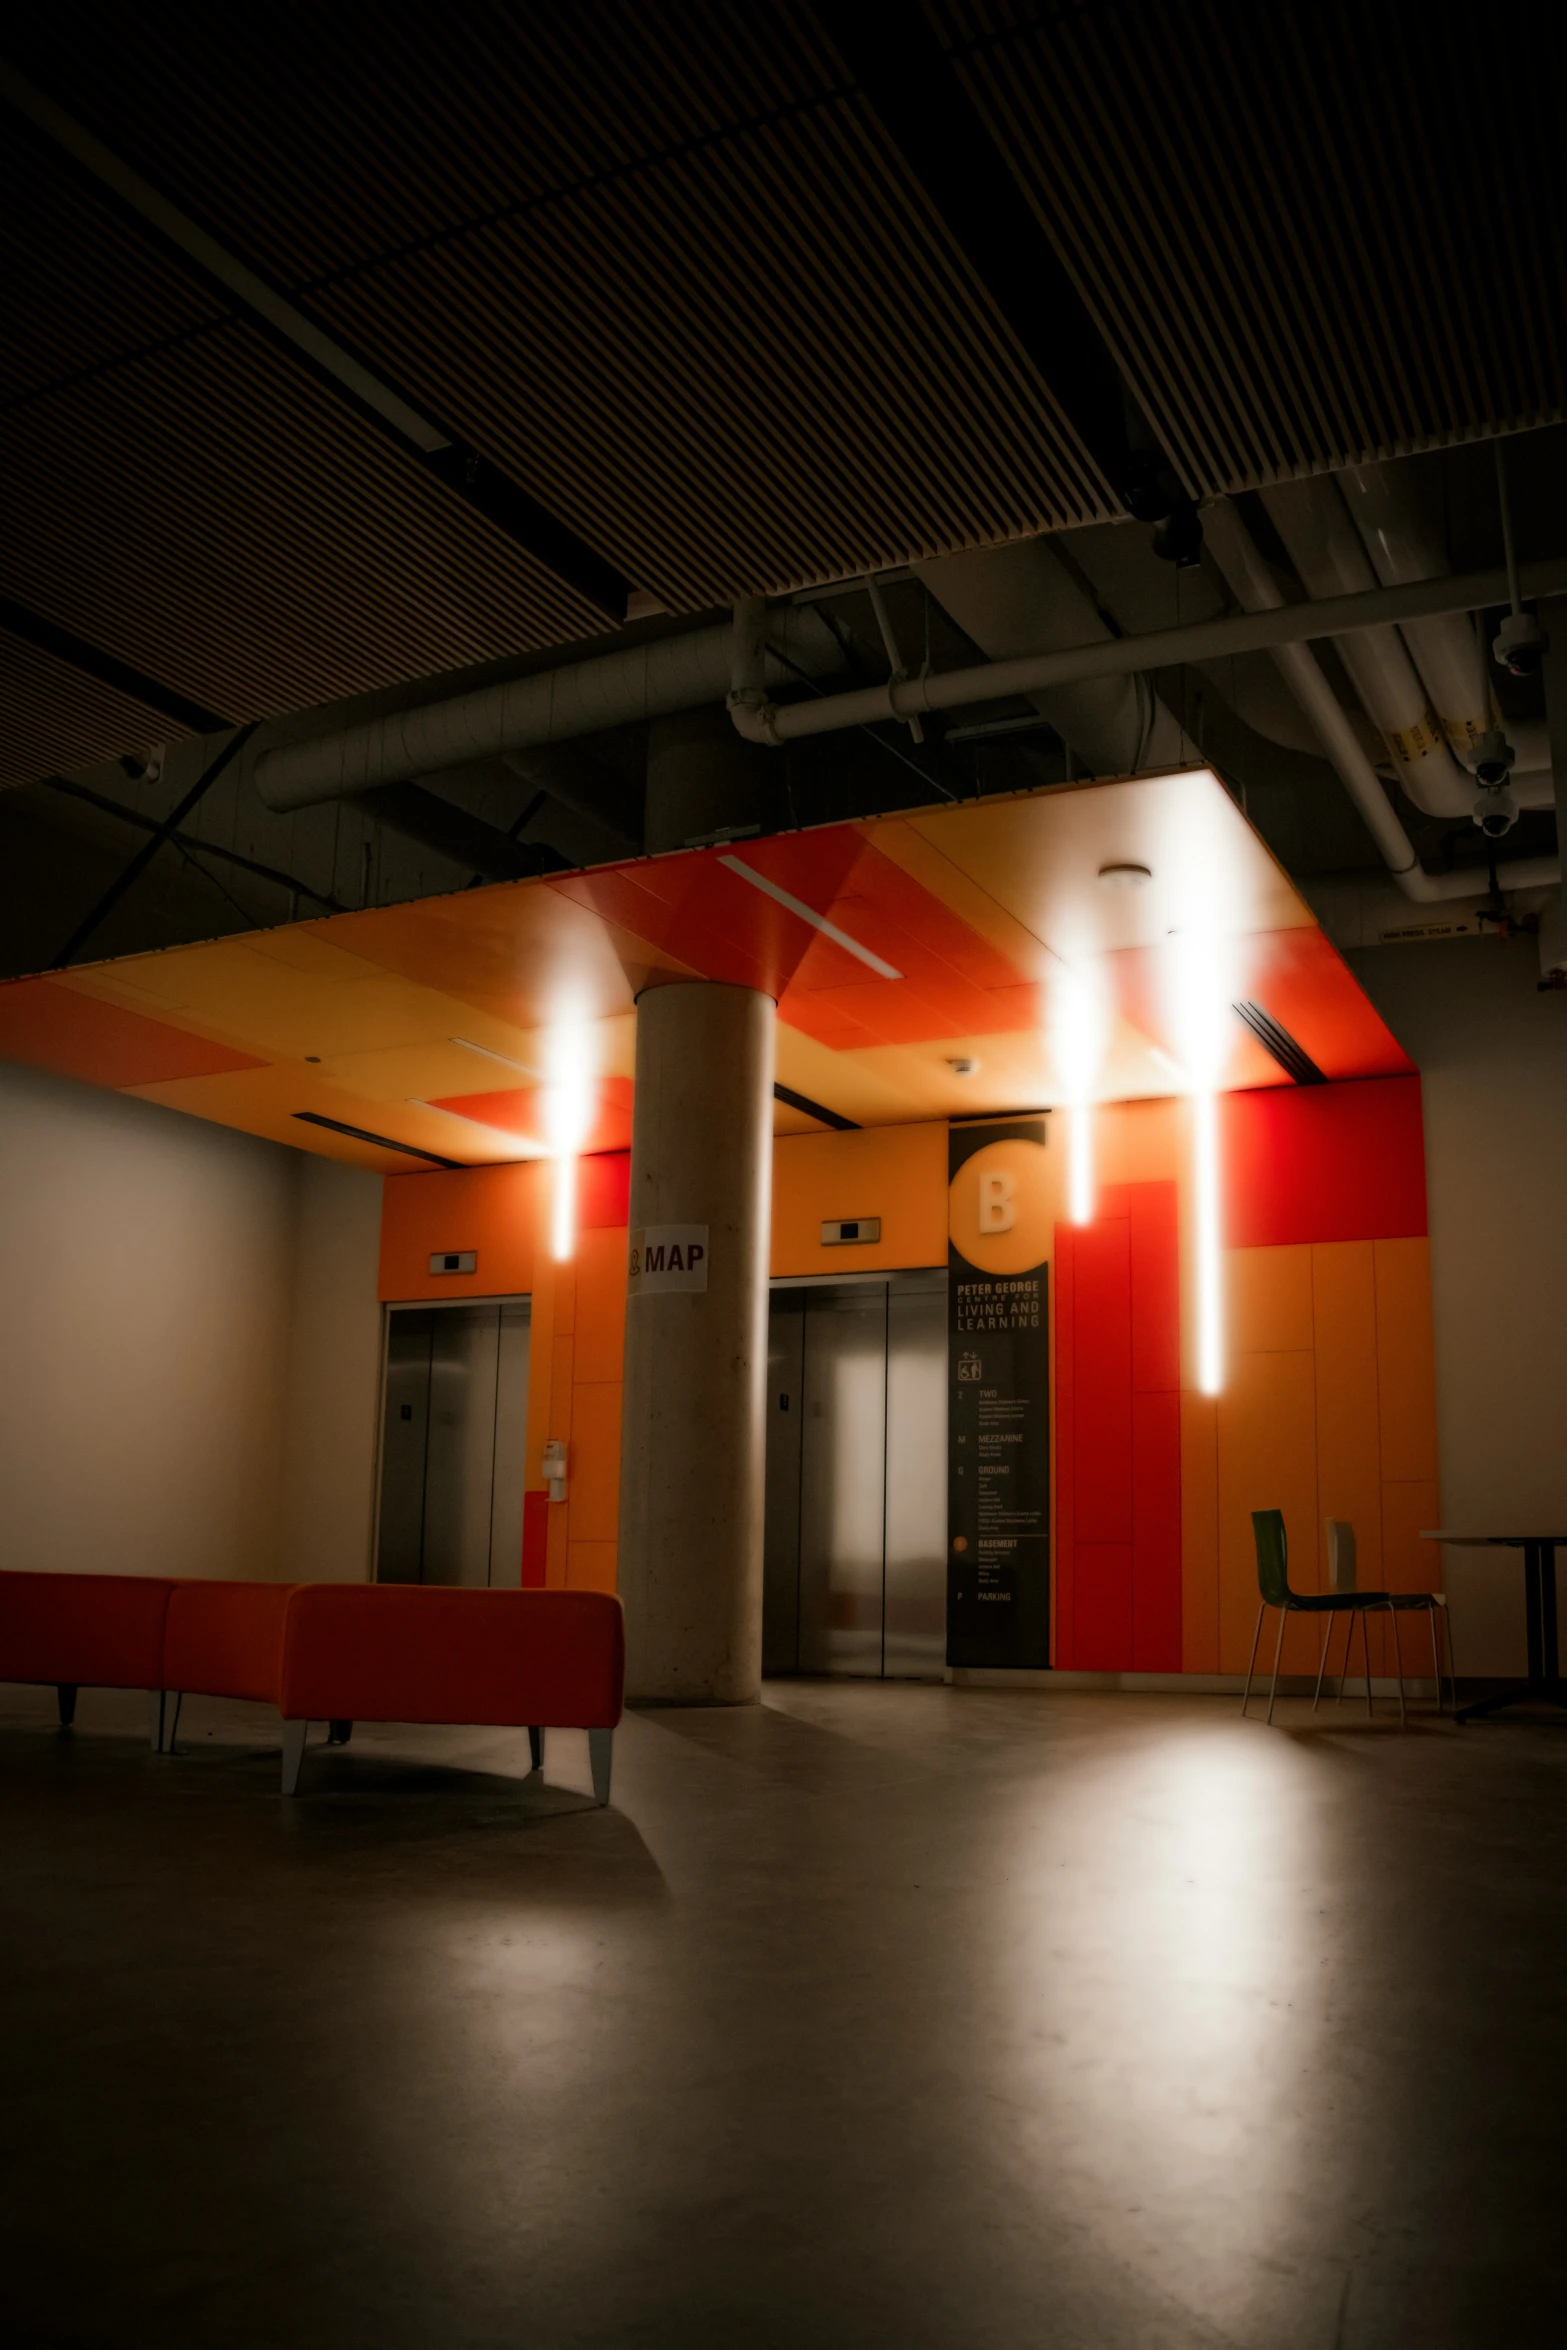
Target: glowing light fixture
{"x":1079,"y":1026}
{"x":1210,"y":1241}
{"x":1203,"y":1028}
{"x":568,"y":1106}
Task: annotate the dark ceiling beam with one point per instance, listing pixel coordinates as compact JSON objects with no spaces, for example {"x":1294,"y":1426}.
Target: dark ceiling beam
{"x":423,"y":816}
{"x":241,"y":289}
{"x":193,"y":841}
{"x":167,"y":827}
{"x":906,"y":74}
{"x":92,"y":661}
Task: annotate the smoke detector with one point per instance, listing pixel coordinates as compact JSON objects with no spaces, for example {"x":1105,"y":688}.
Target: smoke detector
{"x":1124,"y":876}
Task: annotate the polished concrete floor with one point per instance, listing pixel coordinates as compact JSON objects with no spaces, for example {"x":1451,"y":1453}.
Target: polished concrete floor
{"x":877,"y":2015}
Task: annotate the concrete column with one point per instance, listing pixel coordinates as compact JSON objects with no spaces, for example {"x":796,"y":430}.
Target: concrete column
{"x":693,"y":1443}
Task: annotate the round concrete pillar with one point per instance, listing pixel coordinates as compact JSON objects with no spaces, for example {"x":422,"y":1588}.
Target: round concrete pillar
{"x":693,"y":1440}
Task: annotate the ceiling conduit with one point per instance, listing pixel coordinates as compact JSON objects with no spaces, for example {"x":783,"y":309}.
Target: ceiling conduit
{"x":1330,"y":557}
{"x":1253,"y":586}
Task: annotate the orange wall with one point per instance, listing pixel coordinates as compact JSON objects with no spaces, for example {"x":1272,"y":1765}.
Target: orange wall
{"x":493,"y":1210}
{"x":898,"y":1173}
{"x":1328,"y":1408}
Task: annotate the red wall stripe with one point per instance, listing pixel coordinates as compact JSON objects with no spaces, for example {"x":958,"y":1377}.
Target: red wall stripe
{"x":1323,"y":1162}
{"x":1118,"y":1501}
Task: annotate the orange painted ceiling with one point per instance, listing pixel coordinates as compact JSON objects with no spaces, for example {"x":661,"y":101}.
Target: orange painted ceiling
{"x":896,"y":946}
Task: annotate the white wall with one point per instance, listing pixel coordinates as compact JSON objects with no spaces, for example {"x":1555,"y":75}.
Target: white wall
{"x":1492,"y":1051}
{"x":188,"y":1343}
{"x":332,"y":1397}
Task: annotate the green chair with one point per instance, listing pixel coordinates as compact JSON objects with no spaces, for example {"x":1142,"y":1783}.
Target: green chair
{"x":1273,"y":1586}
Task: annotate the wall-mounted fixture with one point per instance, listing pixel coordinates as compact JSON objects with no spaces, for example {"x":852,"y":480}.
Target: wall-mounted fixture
{"x":554,"y":1466}
{"x":1124,"y":876}
{"x":454,"y":1260}
{"x":963,"y":1065}
{"x":855,"y":1231}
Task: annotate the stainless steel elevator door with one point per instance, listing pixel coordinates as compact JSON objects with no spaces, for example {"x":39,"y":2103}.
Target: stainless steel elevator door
{"x":855,"y":1555}
{"x":914,"y":1624}
{"x":452,"y":1447}
{"x":842,"y":1481}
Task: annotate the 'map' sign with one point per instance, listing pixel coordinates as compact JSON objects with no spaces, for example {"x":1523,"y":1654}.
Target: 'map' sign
{"x":667,"y":1256}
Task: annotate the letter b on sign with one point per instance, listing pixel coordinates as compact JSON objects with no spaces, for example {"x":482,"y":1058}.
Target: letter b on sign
{"x":997,"y":1200}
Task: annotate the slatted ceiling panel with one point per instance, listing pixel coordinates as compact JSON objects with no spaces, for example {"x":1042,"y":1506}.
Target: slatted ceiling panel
{"x":79,"y":288}
{"x":213,"y":517}
{"x":1308,"y":233}
{"x":392,"y":128}
{"x":53,"y":717}
{"x":754,"y":367}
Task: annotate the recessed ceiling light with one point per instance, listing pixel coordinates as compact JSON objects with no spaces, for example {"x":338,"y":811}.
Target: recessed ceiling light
{"x":1123,"y":876}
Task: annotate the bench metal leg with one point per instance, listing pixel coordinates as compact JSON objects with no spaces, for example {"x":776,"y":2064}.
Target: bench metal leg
{"x":163,"y":1718}
{"x":600,"y":1751}
{"x":65,"y":1698}
{"x":535,"y":1749}
{"x":294,"y":1736}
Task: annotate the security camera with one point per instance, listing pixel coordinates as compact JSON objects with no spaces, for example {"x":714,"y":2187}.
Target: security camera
{"x":1494,"y":757}
{"x":1495,"y":811}
{"x":1519,"y":645}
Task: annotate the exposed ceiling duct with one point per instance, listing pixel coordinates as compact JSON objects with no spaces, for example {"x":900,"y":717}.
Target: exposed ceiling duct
{"x":1014,"y":600}
{"x":1330,"y":557}
{"x":640,"y":682}
{"x":1255,"y":588}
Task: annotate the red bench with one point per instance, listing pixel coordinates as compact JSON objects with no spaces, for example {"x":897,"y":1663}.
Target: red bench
{"x":86,"y":1631}
{"x":333,"y":1652}
{"x":535,"y":1660}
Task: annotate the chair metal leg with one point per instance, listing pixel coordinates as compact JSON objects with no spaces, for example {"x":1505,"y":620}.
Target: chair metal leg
{"x":1398,"y":1666}
{"x":1442,"y":1600}
{"x":65,"y":1699}
{"x":1365,"y":1651}
{"x":600,"y":1755}
{"x":535,"y":1749}
{"x":294,"y":1736}
{"x":1256,"y":1636}
{"x":339,"y":1733}
{"x":1436,"y":1659}
{"x":1327,"y":1641}
{"x":1278,"y":1651}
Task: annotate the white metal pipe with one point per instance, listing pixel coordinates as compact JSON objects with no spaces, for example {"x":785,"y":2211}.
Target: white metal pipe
{"x":1404,"y":543}
{"x":553,"y":705}
{"x":1160,"y":648}
{"x":1010,"y":600}
{"x":1254,"y":586}
{"x":1327,"y":551}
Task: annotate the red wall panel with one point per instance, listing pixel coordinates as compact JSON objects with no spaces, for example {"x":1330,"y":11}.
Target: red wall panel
{"x":1118,"y":1500}
{"x":1323,"y":1162}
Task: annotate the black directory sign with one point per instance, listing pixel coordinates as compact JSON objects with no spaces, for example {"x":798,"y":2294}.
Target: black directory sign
{"x":998,"y":1372}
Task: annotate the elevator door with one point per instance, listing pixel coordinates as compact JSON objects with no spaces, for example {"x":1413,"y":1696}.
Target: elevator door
{"x":452,"y":1445}
{"x":855,"y":1579}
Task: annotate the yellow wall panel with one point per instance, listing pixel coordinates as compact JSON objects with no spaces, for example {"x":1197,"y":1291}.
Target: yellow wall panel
{"x":1267,"y":1454}
{"x":1199,"y":1534}
{"x":1267,"y":1300}
{"x":1406,"y":1361}
{"x":590,"y":1566}
{"x":1349,"y":1463}
{"x":600,"y":1320}
{"x":593,"y":1461}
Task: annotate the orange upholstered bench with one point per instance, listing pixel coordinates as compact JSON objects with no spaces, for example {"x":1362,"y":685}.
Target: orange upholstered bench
{"x":223,"y":1640}
{"x":535,"y":1660}
{"x":86,"y":1631}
